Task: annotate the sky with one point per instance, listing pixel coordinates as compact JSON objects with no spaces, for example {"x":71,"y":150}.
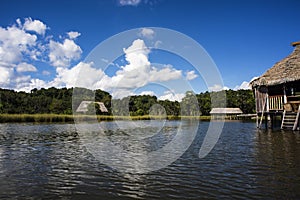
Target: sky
{"x":56,"y":44}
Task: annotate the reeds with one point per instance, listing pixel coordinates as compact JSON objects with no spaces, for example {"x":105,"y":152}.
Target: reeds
{"x":49,"y":118}
{"x":6,"y":118}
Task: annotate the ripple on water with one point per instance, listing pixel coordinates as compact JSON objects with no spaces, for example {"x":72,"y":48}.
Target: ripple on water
{"x":49,"y":161}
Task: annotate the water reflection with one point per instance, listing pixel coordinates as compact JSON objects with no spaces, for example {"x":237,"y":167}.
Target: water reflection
{"x":277,"y":154}
{"x":50,"y":161}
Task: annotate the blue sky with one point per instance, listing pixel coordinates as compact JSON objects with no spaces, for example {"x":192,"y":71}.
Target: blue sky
{"x":43,"y":43}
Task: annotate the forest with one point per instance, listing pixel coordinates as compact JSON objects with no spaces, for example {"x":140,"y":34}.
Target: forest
{"x":59,"y":101}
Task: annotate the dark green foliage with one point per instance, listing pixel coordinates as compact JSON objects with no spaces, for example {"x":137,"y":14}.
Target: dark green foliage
{"x":171,"y":107}
{"x":59,"y":101}
{"x":45,"y":101}
{"x":189,"y":105}
{"x":243,"y":99}
{"x":204,"y":103}
{"x":133,"y":105}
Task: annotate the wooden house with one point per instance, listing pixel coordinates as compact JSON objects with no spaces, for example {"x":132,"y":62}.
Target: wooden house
{"x":277,"y":91}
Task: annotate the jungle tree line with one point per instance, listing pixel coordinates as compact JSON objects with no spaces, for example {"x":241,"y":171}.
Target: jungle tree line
{"x":59,"y":101}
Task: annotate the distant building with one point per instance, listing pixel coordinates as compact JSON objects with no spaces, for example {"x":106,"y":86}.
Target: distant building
{"x":230,"y":113}
{"x":83,"y":107}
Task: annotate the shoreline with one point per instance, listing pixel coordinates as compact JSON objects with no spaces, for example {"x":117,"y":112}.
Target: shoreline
{"x":53,"y":118}
{"x":64,"y":118}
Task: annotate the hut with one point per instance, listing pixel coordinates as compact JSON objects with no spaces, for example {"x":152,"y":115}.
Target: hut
{"x":277,"y":91}
{"x":83,"y":107}
{"x":231,"y":113}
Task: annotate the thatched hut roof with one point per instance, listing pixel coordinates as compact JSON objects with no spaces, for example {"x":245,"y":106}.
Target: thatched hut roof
{"x":286,"y":70}
{"x":83,"y":107}
{"x":223,"y":111}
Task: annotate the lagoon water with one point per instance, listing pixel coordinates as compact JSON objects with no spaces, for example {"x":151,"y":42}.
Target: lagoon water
{"x":50,"y":161}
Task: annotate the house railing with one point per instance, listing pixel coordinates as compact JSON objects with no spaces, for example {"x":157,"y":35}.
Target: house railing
{"x":276,"y":102}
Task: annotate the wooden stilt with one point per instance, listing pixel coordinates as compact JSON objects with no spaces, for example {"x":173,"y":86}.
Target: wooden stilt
{"x":297,"y":119}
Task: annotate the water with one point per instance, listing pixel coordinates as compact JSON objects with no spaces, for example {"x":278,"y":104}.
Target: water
{"x":49,"y":161}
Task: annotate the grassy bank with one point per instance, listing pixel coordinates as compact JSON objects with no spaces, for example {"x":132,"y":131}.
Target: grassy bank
{"x":6,"y":118}
{"x":49,"y":118}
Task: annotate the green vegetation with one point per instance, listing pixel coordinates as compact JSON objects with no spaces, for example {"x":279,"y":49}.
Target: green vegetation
{"x":5,"y":118}
{"x":49,"y":118}
{"x":55,"y":105}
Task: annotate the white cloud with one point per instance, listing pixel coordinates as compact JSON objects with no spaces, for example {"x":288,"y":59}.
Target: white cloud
{"x":151,"y":93}
{"x":20,"y":44}
{"x":217,"y":88}
{"x":27,"y":84}
{"x":165,"y":74}
{"x":5,"y":76}
{"x":121,"y":93}
{"x":22,"y":80}
{"x":81,"y":75}
{"x":34,"y":25}
{"x":62,"y":54}
{"x":136,"y":74}
{"x":245,"y":85}
{"x":191,"y":75}
{"x":170,"y":95}
{"x":18,"y":48}
{"x":139,"y":71}
{"x":73,"y":34}
{"x":15,"y":42}
{"x":147,"y":33}
{"x":25,"y":67}
{"x":129,"y":2}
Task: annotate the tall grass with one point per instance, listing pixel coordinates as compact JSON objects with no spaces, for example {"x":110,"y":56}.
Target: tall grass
{"x":49,"y":118}
{"x":5,"y":118}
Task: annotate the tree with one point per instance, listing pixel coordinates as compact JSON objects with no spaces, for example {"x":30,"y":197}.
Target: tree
{"x":189,"y":105}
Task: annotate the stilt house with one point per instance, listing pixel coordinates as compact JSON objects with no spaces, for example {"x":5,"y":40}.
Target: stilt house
{"x":277,"y":91}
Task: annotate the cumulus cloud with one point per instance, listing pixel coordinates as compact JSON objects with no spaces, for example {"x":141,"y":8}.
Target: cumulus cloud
{"x":139,"y":70}
{"x":34,"y":25}
{"x":5,"y":75}
{"x":62,"y":54}
{"x":170,"y":95}
{"x":129,"y":2}
{"x":16,"y":45}
{"x":216,"y":88}
{"x":26,"y":83}
{"x":191,"y":75}
{"x":137,"y":73}
{"x":73,"y":34}
{"x":25,"y":67}
{"x":245,"y":85}
{"x":81,"y":75}
{"x":14,"y":42}
{"x":165,"y":74}
{"x":147,"y":33}
{"x":151,"y":93}
{"x":18,"y":82}
{"x":20,"y":45}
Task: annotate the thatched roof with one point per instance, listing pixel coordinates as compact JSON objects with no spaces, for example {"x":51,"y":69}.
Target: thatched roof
{"x":228,"y":111}
{"x":286,"y":70}
{"x":83,"y":107}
